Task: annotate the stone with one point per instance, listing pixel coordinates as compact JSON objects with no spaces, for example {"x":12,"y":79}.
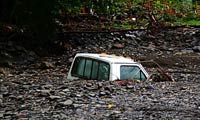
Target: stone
{"x":26,"y":86}
{"x":20,"y":116}
{"x":66,"y":90}
{"x":68,"y":102}
{"x":196,"y":48}
{"x":46,"y":65}
{"x":71,"y":59}
{"x":44,"y":92}
{"x":187,"y":51}
{"x":54,"y":97}
{"x":130,"y":86}
{"x":48,"y":86}
{"x":130,"y":35}
{"x":2,"y":71}
{"x":92,"y":94}
{"x":117,"y":112}
{"x":118,"y":46}
{"x":1,"y":114}
{"x":102,"y":93}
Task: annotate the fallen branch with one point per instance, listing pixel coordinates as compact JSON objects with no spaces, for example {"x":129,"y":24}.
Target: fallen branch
{"x":160,"y":75}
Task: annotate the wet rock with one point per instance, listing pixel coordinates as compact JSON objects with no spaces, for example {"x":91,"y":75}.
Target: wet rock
{"x":45,"y":93}
{"x":20,"y":116}
{"x":53,"y":97}
{"x":102,"y":93}
{"x":71,"y":60}
{"x":66,"y":90}
{"x":1,"y":100}
{"x":92,"y":94}
{"x":68,"y":102}
{"x":2,"y":71}
{"x":196,"y":48}
{"x":187,"y":51}
{"x":1,"y":115}
{"x":118,"y":46}
{"x":117,"y":112}
{"x":46,"y":65}
{"x":26,"y":86}
{"x":130,"y":86}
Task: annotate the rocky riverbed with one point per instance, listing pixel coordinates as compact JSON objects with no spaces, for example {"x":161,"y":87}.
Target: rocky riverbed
{"x":38,"y":89}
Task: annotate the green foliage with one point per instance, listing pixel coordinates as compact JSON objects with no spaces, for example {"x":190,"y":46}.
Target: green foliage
{"x":71,"y":7}
{"x":147,"y":12}
{"x":192,"y":22}
{"x":38,"y":16}
{"x":124,"y":25}
{"x":165,"y":11}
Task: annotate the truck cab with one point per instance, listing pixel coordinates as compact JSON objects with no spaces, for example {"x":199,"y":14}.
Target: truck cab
{"x":105,"y":67}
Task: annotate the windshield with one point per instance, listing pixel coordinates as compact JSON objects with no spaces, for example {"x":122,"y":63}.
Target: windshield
{"x":131,"y":72}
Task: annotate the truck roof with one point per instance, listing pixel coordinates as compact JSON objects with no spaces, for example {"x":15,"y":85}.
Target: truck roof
{"x":107,"y":58}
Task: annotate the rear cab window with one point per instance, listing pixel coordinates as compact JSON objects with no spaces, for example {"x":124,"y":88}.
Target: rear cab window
{"x":88,"y":68}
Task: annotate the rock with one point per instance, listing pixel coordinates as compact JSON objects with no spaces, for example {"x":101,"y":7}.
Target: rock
{"x":45,"y":92}
{"x":26,"y":86}
{"x":1,"y":115}
{"x":1,"y":101}
{"x":66,"y":90}
{"x":92,"y":94}
{"x":1,"y":96}
{"x":68,"y":102}
{"x":20,"y":116}
{"x":117,"y":112}
{"x":48,"y":86}
{"x":102,"y":93}
{"x":63,"y":116}
{"x":149,"y":87}
{"x":53,"y":97}
{"x":2,"y":71}
{"x":20,"y":97}
{"x":111,"y":106}
{"x":71,"y":59}
{"x":130,"y":86}
{"x":79,"y":95}
{"x":62,"y":93}
{"x":46,"y":65}
{"x":196,"y":48}
{"x":118,"y":46}
{"x":130,"y":35}
{"x":187,"y":51}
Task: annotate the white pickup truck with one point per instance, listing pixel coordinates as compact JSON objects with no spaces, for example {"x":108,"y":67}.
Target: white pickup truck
{"x":105,"y":67}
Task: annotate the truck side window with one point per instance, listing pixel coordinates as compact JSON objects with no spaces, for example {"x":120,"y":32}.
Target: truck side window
{"x":103,"y":71}
{"x":87,"y":68}
{"x":131,"y":72}
{"x":78,"y":67}
{"x":94,"y":70}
